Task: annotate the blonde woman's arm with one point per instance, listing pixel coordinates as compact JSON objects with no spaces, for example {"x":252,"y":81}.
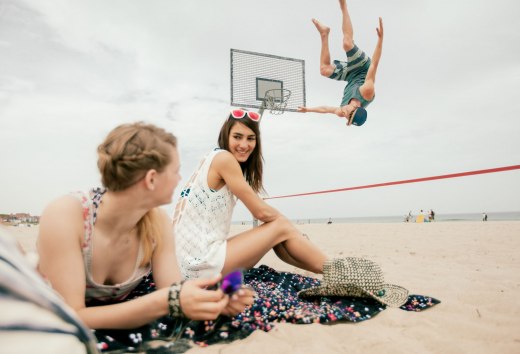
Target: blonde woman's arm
{"x":61,"y":262}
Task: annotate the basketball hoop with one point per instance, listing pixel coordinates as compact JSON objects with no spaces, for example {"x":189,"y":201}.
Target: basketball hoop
{"x":266,"y":81}
{"x":276,"y":100}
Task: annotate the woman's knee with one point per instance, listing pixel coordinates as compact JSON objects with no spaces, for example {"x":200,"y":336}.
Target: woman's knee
{"x":283,"y":227}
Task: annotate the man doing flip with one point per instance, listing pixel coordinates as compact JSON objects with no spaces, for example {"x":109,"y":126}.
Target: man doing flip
{"x":359,"y":71}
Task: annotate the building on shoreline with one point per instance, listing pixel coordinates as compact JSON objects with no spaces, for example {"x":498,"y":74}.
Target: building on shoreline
{"x":16,"y":219}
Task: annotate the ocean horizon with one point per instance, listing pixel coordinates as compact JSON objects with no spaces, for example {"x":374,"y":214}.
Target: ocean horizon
{"x":439,"y":217}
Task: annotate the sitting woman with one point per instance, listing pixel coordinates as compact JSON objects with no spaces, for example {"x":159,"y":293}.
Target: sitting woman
{"x":99,"y":249}
{"x":203,"y":214}
{"x":205,"y":248}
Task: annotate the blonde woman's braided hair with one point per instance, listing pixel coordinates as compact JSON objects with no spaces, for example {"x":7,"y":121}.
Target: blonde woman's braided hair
{"x":127,"y":154}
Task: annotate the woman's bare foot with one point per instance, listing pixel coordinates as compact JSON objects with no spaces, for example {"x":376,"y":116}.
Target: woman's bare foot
{"x":324,"y":30}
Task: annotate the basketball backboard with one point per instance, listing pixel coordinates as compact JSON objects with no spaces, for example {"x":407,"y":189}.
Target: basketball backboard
{"x":253,"y":74}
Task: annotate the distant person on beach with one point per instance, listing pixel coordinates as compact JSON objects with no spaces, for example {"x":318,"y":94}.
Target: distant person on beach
{"x":359,"y":71}
{"x":330,"y":221}
{"x":98,"y":249}
{"x":431,"y":215}
{"x":422,"y":216}
{"x":484,"y":217}
{"x":203,"y":214}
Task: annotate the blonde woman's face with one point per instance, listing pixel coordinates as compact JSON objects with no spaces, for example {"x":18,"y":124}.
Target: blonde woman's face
{"x":168,"y":179}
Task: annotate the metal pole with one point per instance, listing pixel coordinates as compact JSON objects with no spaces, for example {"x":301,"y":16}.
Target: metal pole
{"x":262,"y":108}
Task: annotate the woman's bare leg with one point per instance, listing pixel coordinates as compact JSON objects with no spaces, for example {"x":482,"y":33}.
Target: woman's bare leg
{"x":284,"y":255}
{"x":326,"y":69}
{"x":247,"y":248}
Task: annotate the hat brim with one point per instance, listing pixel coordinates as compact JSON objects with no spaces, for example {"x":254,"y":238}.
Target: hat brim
{"x":358,"y":118}
{"x":394,"y":295}
{"x":350,"y":119}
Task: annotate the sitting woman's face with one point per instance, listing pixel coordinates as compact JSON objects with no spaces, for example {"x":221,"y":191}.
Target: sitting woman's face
{"x":242,"y":142}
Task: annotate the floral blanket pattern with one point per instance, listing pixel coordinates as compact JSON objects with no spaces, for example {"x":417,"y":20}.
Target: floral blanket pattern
{"x":277,"y":301}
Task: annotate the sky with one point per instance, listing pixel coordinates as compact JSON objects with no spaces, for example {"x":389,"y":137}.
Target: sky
{"x":447,"y":98}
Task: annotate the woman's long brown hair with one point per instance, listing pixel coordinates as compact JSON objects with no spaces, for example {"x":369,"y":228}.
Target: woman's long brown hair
{"x":253,"y":168}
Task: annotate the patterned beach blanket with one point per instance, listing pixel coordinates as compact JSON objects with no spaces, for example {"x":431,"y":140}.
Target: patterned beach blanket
{"x":277,"y":301}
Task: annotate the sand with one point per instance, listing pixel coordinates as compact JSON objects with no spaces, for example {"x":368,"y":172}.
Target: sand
{"x":472,"y":267}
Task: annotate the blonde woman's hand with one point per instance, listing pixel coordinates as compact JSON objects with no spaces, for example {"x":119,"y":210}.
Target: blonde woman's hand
{"x":239,"y":301}
{"x":198,"y":303}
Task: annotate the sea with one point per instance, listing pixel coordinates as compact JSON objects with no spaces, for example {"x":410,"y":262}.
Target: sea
{"x":439,"y":217}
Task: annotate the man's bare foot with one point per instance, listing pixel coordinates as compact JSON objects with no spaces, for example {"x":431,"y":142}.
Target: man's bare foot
{"x":324,"y":30}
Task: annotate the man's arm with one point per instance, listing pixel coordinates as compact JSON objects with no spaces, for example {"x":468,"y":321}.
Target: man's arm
{"x":367,"y":90}
{"x":320,"y":109}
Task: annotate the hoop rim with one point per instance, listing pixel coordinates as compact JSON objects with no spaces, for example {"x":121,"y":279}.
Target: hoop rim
{"x":286,"y":93}
{"x":275,"y":104}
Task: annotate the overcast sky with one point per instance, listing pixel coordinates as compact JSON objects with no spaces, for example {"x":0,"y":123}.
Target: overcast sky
{"x":447,"y":100}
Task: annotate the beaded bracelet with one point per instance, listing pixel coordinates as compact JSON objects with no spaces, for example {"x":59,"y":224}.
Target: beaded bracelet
{"x":174,"y":299}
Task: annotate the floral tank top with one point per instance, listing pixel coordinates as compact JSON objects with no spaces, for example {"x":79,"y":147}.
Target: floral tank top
{"x":90,"y":202}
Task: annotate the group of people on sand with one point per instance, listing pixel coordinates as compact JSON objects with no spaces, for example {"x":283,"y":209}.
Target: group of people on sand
{"x":96,"y":247}
{"x":422,"y":216}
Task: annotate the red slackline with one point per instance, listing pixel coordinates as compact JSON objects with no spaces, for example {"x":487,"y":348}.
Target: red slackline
{"x":451,"y":175}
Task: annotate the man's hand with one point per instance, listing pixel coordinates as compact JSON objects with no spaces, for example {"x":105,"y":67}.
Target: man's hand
{"x":302,"y":109}
{"x":380,"y":29}
{"x":342,"y":112}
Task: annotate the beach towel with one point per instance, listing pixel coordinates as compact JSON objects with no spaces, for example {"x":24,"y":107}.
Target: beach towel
{"x":277,"y":301}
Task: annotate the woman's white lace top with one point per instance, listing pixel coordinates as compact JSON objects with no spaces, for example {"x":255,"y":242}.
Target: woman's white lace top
{"x":202,"y":221}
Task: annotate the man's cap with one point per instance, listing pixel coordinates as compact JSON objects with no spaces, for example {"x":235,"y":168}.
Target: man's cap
{"x":359,"y":117}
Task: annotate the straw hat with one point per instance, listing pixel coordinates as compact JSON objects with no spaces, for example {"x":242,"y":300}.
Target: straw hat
{"x":357,"y":277}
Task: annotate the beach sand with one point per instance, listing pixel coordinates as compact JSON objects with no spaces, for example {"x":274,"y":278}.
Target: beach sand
{"x":472,"y":267}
